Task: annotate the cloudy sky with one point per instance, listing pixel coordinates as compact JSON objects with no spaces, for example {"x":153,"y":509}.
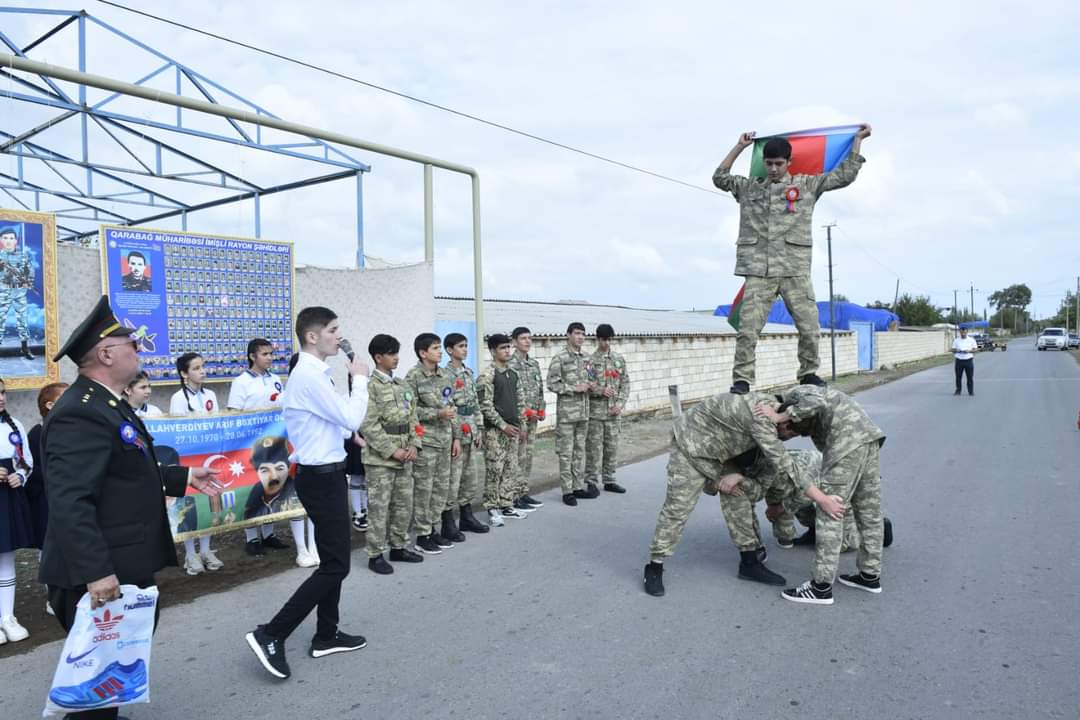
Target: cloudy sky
{"x":973,"y":172}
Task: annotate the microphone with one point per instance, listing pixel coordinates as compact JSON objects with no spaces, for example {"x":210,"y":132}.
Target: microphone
{"x":346,"y":347}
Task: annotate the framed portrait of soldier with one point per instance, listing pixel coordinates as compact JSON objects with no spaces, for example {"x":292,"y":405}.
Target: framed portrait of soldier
{"x":29,"y":333}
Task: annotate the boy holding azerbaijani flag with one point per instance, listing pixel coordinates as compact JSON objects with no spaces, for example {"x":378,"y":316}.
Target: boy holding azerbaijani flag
{"x":776,"y":205}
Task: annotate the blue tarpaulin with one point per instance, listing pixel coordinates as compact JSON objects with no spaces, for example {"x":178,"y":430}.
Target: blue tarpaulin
{"x":845,"y":313}
{"x":975,"y":324}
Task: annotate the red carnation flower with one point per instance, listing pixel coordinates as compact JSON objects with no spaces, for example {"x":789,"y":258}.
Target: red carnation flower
{"x":541,"y":414}
{"x":529,"y":412}
{"x":466,"y":428}
{"x":419,"y":430}
{"x":459,"y":383}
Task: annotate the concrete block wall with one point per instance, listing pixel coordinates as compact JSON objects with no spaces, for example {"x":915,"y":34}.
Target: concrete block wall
{"x":894,"y":348}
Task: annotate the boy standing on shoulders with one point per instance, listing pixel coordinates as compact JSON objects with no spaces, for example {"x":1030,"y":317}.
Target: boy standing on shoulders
{"x":431,"y":387}
{"x":391,"y":437}
{"x":468,"y":434}
{"x":607,"y":400}
{"x":502,"y":403}
{"x":529,"y":374}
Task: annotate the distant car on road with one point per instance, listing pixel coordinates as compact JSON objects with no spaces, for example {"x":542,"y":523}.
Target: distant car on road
{"x":1056,"y":338}
{"x":1074,"y":340}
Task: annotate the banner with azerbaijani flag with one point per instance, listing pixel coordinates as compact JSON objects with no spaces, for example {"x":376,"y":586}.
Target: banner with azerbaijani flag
{"x":250,"y":450}
{"x":813,"y":152}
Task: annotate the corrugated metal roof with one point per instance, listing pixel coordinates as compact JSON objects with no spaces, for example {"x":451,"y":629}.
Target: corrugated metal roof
{"x":551,"y":319}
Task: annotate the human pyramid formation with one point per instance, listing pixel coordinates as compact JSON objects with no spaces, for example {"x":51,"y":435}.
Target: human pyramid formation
{"x":732,"y":443}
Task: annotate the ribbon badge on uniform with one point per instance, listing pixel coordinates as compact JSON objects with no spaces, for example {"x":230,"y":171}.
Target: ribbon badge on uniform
{"x":209,"y":404}
{"x":791,"y":195}
{"x":277,"y":386}
{"x":15,"y":439}
{"x":446,"y":393}
{"x":130,"y":436}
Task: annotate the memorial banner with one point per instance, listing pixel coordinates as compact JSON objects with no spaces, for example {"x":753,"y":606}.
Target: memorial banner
{"x":251,"y":452}
{"x":183,"y":292}
{"x":28,"y":317}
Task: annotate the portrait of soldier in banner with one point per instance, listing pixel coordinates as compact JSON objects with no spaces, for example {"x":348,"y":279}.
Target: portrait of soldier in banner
{"x":137,"y":276}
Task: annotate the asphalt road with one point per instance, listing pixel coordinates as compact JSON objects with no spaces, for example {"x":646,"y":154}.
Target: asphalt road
{"x":546,"y":618}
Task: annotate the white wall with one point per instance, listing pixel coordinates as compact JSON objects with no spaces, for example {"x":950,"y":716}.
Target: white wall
{"x":893,"y":348}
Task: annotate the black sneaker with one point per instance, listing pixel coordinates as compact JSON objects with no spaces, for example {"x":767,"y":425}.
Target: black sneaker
{"x":591,"y":491}
{"x":570,"y":499}
{"x":614,"y":488}
{"x":360,"y":522}
{"x":581,"y":495}
{"x":956,"y":394}
{"x":523,"y":506}
{"x":440,"y":541}
{"x":862,"y":582}
{"x":379,"y":566}
{"x":405,"y":555}
{"x":270,"y":651}
{"x":811,"y":379}
{"x":807,"y":538}
{"x":342,"y":642}
{"x":785,"y":543}
{"x":740,"y":387}
{"x":254,"y":548}
{"x":275,"y":543}
{"x":654,"y":579}
{"x":887,"y":540}
{"x":809,"y":592}
{"x":425,"y":544}
{"x":532,"y":501}
{"x":759,"y":573}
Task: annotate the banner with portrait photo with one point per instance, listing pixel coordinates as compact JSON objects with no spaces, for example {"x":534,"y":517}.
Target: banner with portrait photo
{"x":185,"y":292}
{"x":251,"y":453}
{"x":28,"y":317}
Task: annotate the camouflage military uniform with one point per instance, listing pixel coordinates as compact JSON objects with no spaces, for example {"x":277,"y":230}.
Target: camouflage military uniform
{"x":431,"y":470}
{"x":603,"y":439}
{"x":390,"y":424}
{"x":529,"y":375}
{"x":849,"y":442}
{"x":467,"y":429}
{"x":773,"y":254}
{"x":16,"y":277}
{"x":500,"y":450}
{"x":569,"y":368}
{"x":706,"y":438}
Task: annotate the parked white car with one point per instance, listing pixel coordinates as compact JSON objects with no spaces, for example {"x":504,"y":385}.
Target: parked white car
{"x":1056,"y":338}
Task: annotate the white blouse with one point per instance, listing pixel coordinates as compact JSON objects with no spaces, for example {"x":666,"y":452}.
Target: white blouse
{"x":9,"y":451}
{"x":202,"y":402}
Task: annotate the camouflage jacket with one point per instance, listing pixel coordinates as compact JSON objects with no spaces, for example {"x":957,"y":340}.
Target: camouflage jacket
{"x":466,"y":401}
{"x":719,"y":429}
{"x":390,"y":423}
{"x":776,"y":488}
{"x":611,"y":372}
{"x":529,"y":375}
{"x":774,"y":234}
{"x":569,"y":368}
{"x":16,"y":270}
{"x":433,"y":392}
{"x":839,"y":424}
{"x":485,"y":390}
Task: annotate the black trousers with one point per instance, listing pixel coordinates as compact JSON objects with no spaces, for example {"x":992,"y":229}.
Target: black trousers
{"x":64,"y":601}
{"x":325,"y":498}
{"x":966,"y":367}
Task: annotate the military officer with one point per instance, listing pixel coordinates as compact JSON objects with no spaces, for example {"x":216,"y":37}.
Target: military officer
{"x":532,"y":381}
{"x":607,"y":400}
{"x":106,"y":489}
{"x":774,"y":247}
{"x":571,"y":377}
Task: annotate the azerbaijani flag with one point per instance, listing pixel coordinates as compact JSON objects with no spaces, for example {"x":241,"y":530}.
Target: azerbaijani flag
{"x":734,"y":317}
{"x":813,"y":152}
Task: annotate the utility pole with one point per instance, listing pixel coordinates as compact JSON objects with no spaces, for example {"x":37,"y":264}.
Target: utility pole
{"x":972,"y":299}
{"x":896,"y":297}
{"x":1078,"y":305}
{"x":832,"y":311}
{"x":955,"y":314}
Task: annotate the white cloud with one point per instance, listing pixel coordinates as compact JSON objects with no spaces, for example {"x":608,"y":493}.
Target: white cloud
{"x":1001,"y":116}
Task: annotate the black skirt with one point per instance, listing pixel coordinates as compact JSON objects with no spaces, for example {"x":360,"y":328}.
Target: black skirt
{"x":16,"y":521}
{"x":353,"y":464}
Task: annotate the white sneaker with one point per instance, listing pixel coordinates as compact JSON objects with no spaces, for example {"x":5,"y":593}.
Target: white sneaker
{"x":13,"y":630}
{"x":48,"y":609}
{"x":495,"y":517}
{"x":304,"y":559}
{"x":210,"y":560}
{"x":193,"y":565}
{"x":513,"y":512}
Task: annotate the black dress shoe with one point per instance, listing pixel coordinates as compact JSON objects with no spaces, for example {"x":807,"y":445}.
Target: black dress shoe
{"x":405,"y":555}
{"x":275,"y":543}
{"x":379,"y":566}
{"x":570,"y":499}
{"x":581,"y":495}
{"x":757,"y":572}
{"x":614,"y":487}
{"x":811,"y":379}
{"x":740,"y":387}
{"x":591,"y":491}
{"x":254,"y":548}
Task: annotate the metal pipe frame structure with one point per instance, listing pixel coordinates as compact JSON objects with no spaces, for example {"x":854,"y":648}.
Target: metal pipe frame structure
{"x":84,"y":80}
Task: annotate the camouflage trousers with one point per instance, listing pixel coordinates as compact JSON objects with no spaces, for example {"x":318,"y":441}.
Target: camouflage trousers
{"x":758,"y":298}
{"x":684,"y":486}
{"x":390,"y":508}
{"x":463,"y":475}
{"x":570,"y":446}
{"x":805,"y":511}
{"x":525,"y":452}
{"x":742,"y":519}
{"x":500,"y":468}
{"x":431,"y":484}
{"x":601,"y":447}
{"x":856,"y":477}
{"x":14,"y":297}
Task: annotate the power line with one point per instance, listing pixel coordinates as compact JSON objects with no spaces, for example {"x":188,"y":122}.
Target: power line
{"x":413,"y":98}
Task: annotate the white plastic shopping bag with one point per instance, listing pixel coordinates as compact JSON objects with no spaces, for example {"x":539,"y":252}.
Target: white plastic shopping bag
{"x":106,"y":658}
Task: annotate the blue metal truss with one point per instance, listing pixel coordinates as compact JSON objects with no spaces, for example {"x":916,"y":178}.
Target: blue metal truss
{"x":70,"y":180}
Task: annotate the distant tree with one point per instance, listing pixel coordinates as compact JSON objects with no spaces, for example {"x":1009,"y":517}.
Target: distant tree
{"x":878,"y":305}
{"x":917,"y":310}
{"x":840,"y":297}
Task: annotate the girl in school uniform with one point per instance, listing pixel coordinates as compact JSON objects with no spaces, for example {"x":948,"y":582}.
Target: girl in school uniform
{"x":35,"y":484}
{"x":138,"y":396}
{"x":16,"y":522}
{"x":194,"y":399}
